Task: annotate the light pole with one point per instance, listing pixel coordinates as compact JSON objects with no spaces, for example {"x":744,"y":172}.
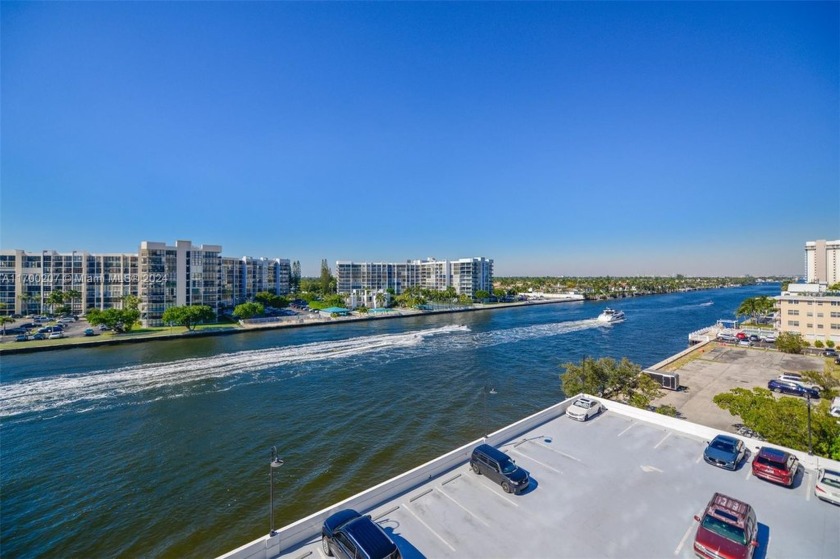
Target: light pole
{"x":810,"y":448}
{"x":276,"y":462}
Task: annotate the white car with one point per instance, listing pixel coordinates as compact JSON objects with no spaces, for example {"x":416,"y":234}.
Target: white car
{"x":584,"y":408}
{"x":827,"y":487}
{"x":55,"y":335}
{"x":796,"y":378}
{"x":768,"y":338}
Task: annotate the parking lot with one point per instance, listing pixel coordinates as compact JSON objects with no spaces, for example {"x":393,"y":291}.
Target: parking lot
{"x":71,"y":329}
{"x":718,"y":368}
{"x":614,"y":486}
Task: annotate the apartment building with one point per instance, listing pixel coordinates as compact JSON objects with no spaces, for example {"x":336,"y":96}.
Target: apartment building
{"x":811,"y":311}
{"x":178,"y":275}
{"x":362,"y":281}
{"x":822,"y":262}
{"x":160,"y":275}
{"x":101,"y":280}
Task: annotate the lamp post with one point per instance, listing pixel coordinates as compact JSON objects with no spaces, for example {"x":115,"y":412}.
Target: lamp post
{"x":276,"y":462}
{"x":810,"y":448}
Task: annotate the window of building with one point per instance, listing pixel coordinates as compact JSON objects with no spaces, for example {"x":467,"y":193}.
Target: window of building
{"x":793,"y":323}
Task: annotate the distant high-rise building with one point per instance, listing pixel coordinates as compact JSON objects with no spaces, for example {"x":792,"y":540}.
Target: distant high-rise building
{"x":822,"y":262}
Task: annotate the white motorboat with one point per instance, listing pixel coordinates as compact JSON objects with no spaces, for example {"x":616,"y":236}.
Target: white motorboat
{"x":611,"y":315}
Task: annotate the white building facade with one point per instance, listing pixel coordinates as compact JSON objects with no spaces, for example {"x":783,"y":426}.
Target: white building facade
{"x":363,"y":281}
{"x":160,"y":275}
{"x":822,"y":262}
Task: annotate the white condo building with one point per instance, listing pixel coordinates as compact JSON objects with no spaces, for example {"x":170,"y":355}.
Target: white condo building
{"x":822,"y":262}
{"x":160,"y":275}
{"x":362,"y":281}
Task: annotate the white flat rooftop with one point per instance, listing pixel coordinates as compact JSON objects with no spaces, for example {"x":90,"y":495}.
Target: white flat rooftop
{"x":615,"y":486}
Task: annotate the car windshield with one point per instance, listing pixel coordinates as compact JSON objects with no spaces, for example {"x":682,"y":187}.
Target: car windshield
{"x":832,"y":481}
{"x":585,"y":404}
{"x":724,"y":529}
{"x":508,"y":467}
{"x":726,"y":446}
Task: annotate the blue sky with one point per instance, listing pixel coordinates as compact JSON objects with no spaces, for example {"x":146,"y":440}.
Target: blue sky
{"x":555,"y":138}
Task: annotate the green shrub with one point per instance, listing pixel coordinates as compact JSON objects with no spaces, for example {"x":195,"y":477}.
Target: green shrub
{"x":818,"y":343}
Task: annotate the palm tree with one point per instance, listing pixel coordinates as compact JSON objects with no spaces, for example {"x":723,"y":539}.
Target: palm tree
{"x":70,"y":296}
{"x":26,"y":299}
{"x":55,"y":298}
{"x":5,"y":320}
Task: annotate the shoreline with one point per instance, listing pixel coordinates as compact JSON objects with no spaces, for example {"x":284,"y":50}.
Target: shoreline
{"x":293,"y":323}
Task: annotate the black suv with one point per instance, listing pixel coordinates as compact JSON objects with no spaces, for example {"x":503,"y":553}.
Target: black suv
{"x":499,"y":467}
{"x":350,"y":535}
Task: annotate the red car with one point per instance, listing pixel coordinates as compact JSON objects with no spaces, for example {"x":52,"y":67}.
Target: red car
{"x":727,"y":529}
{"x":741,"y":336}
{"x":775,"y":465}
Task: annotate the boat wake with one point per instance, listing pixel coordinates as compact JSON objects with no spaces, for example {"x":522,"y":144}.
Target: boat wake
{"x":56,"y":395}
{"x":99,"y":389}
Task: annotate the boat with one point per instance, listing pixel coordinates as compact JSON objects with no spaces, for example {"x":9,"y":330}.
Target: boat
{"x":611,"y":315}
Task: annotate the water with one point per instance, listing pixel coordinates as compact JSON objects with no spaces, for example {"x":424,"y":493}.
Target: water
{"x":162,"y":449}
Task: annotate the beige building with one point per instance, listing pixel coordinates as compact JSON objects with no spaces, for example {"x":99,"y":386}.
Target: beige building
{"x":822,"y":262}
{"x":811,"y":311}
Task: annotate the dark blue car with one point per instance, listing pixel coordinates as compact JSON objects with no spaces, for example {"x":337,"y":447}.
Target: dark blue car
{"x":350,"y":535}
{"x":790,"y":387}
{"x":725,"y":452}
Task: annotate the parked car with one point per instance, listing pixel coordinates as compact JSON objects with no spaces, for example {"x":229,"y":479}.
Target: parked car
{"x":754,"y":338}
{"x":499,"y":467}
{"x":55,"y":335}
{"x":727,"y":338}
{"x":834,"y":409}
{"x":775,"y":465}
{"x":39,"y":336}
{"x":728,"y":529}
{"x":725,"y":452}
{"x":793,"y":377}
{"x":21,"y":338}
{"x":827,"y":486}
{"x":103,"y":327}
{"x":768,"y":338}
{"x":791,"y":387}
{"x":837,"y":361}
{"x":745,"y":343}
{"x":830,"y":353}
{"x":584,"y":408}
{"x":89,"y":332}
{"x":741,"y":336}
{"x":350,"y":535}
